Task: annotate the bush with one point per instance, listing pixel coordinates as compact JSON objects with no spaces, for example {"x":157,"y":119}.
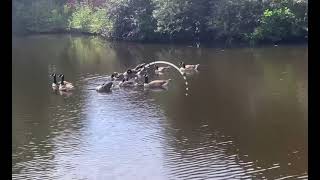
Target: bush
{"x":181,"y":19}
{"x":39,"y":16}
{"x":132,"y":20}
{"x":234,"y":19}
{"x":276,"y":25}
{"x":91,"y":20}
{"x":185,"y":20}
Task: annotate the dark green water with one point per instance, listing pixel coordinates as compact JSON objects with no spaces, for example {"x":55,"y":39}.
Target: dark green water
{"x":245,"y":117}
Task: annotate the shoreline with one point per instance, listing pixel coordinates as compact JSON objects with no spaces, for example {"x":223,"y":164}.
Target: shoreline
{"x":205,"y":44}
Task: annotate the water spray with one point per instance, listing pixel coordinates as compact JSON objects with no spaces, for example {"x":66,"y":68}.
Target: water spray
{"x":176,"y":67}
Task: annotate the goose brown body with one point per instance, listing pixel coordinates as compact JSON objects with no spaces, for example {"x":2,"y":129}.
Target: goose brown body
{"x":161,"y":70}
{"x":105,"y":87}
{"x":65,"y":85}
{"x":126,"y":83}
{"x":188,"y":67}
{"x":156,"y":83}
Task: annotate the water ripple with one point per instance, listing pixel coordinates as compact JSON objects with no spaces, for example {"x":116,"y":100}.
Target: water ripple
{"x":133,"y":134}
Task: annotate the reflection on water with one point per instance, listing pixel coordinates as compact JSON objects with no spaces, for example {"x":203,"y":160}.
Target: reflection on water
{"x":245,"y":118}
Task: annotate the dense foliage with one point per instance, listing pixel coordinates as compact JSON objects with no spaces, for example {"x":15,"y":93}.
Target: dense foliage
{"x":282,"y":23}
{"x":189,"y":20}
{"x":90,"y":19}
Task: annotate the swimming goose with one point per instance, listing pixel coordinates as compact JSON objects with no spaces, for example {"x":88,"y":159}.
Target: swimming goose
{"x":141,"y":72}
{"x":65,"y":93}
{"x":54,"y":85}
{"x":161,"y":70}
{"x":105,"y":87}
{"x":139,"y":66}
{"x":185,"y":67}
{"x":129,"y":74}
{"x":117,"y":76}
{"x":127,"y":83}
{"x":64,"y":82}
{"x":155,"y":83}
{"x":64,"y":85}
{"x":150,"y":70}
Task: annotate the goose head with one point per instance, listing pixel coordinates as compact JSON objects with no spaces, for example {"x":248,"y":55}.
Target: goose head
{"x":140,"y":71}
{"x":182,"y":64}
{"x":112,"y":76}
{"x":139,"y":66}
{"x":146,"y":79}
{"x":54,"y":78}
{"x":62,"y":78}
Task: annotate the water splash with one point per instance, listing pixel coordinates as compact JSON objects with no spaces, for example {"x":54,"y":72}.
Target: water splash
{"x":173,"y":65}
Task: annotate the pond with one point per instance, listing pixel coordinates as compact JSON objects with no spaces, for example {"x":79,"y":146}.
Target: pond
{"x":245,"y":116}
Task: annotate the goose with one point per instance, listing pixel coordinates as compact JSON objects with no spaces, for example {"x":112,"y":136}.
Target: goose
{"x":141,"y":71}
{"x":185,"y":67}
{"x":64,"y":82}
{"x":140,"y":76}
{"x":139,"y":66}
{"x":129,"y":74}
{"x":64,"y":85}
{"x":127,"y":83}
{"x":150,"y":70}
{"x":54,"y":85}
{"x":161,"y":70}
{"x":105,"y":87}
{"x":117,"y":76}
{"x":155,"y":83}
{"x":65,"y":93}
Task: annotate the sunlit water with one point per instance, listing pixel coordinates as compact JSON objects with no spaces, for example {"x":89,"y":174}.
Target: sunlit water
{"x":245,"y":117}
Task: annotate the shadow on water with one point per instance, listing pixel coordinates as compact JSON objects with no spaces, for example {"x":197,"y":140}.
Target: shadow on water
{"x":246,"y":116}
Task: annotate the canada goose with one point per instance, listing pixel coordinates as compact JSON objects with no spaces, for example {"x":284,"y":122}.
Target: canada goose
{"x":127,"y":83}
{"x":185,"y":67}
{"x":54,"y":85}
{"x":141,"y":71}
{"x":155,"y":83}
{"x":64,"y":82}
{"x":64,"y":85}
{"x":150,"y":70}
{"x":105,"y":87}
{"x":65,"y":93}
{"x":161,"y":70}
{"x":129,"y":74}
{"x":117,"y":76}
{"x":139,"y":66}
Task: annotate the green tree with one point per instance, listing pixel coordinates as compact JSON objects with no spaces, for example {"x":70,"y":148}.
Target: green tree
{"x":181,"y":19}
{"x":39,"y":15}
{"x":132,"y":20}
{"x":187,"y":20}
{"x":276,"y":25}
{"x":233,"y":19}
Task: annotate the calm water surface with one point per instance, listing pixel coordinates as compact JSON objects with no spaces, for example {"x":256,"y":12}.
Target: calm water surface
{"x":245,"y":117}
